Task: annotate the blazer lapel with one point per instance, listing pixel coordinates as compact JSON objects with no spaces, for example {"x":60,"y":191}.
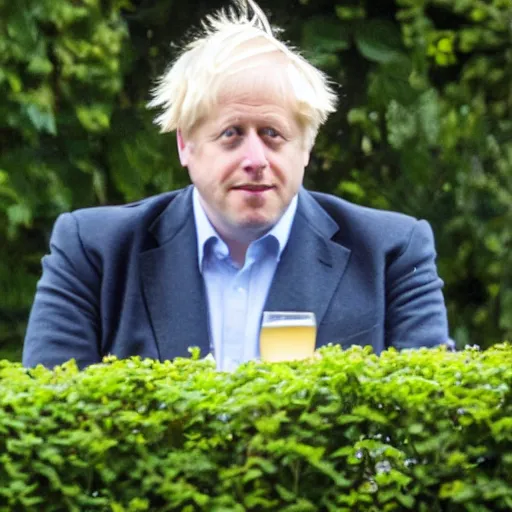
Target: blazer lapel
{"x":311,"y":265}
{"x":172,"y":284}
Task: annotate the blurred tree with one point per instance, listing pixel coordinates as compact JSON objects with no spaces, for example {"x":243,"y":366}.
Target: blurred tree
{"x":424,"y":126}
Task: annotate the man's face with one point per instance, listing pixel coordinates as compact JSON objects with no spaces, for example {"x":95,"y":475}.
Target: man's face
{"x":247,"y":162}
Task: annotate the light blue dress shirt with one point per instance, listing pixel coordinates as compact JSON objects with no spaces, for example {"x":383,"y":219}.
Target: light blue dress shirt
{"x":236,"y":296}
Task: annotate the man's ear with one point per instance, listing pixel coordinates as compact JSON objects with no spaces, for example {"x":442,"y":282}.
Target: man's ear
{"x":183,"y":148}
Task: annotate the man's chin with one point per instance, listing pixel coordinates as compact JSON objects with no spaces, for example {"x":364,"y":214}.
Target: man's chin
{"x":255,"y":227}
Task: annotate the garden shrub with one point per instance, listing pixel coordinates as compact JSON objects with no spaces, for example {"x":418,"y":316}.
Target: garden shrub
{"x":421,"y":430}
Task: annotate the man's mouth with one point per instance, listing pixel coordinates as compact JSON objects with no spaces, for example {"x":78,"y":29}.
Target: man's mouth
{"x":253,"y":187}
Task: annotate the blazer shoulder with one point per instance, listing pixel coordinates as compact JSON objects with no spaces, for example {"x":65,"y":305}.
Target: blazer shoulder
{"x":115,"y":223}
{"x":371,"y":226}
{"x":129,"y":211}
{"x":340,"y":209}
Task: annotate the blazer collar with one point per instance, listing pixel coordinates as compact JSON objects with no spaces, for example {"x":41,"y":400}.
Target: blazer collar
{"x":172,"y":285}
{"x":175,"y":216}
{"x":312,"y":264}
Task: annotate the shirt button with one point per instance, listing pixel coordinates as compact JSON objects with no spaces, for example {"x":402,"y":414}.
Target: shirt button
{"x":240,"y":290}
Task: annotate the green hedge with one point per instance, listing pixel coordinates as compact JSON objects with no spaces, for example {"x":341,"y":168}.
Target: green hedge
{"x":425,"y":430}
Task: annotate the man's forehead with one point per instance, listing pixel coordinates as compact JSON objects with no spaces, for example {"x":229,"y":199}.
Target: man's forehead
{"x":252,"y":111}
{"x":256,"y":89}
{"x":261,"y":93}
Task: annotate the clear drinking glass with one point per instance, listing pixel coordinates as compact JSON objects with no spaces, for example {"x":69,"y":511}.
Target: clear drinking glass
{"x":287,"y":335}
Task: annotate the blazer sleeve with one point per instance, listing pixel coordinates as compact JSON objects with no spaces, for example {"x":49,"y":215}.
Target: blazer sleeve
{"x":415,"y":308}
{"x":64,"y":322}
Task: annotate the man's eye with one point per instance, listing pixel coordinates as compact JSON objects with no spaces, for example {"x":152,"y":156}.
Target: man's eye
{"x":270,"y":132}
{"x":231,"y":132}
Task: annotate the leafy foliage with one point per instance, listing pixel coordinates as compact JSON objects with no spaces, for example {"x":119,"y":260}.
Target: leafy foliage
{"x":425,"y":430}
{"x":424,"y":126}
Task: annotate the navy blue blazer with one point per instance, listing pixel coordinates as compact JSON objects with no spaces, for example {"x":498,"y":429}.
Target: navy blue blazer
{"x":124,"y":280}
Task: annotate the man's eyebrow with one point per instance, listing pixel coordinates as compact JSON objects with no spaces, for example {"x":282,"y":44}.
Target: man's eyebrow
{"x":230,"y":120}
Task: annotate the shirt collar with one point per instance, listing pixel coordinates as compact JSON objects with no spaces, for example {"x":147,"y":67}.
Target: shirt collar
{"x":205,"y":231}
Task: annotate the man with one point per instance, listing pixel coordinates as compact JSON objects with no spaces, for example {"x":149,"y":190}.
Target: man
{"x":197,"y":267}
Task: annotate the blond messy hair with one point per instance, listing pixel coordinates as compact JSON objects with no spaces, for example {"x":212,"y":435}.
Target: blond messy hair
{"x":229,"y":43}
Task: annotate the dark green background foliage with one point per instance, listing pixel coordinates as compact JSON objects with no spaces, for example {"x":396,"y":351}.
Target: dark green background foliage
{"x":424,"y":126}
{"x":421,"y":430}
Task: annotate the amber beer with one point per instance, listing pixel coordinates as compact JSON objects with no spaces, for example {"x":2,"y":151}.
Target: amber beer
{"x":286,"y":336}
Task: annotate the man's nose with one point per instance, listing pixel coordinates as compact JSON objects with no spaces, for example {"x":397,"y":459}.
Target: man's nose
{"x":255,"y":158}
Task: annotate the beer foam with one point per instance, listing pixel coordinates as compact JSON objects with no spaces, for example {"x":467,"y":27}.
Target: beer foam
{"x":290,"y":322}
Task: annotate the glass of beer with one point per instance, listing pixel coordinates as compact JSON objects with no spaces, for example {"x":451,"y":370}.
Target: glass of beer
{"x":287,"y":335}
